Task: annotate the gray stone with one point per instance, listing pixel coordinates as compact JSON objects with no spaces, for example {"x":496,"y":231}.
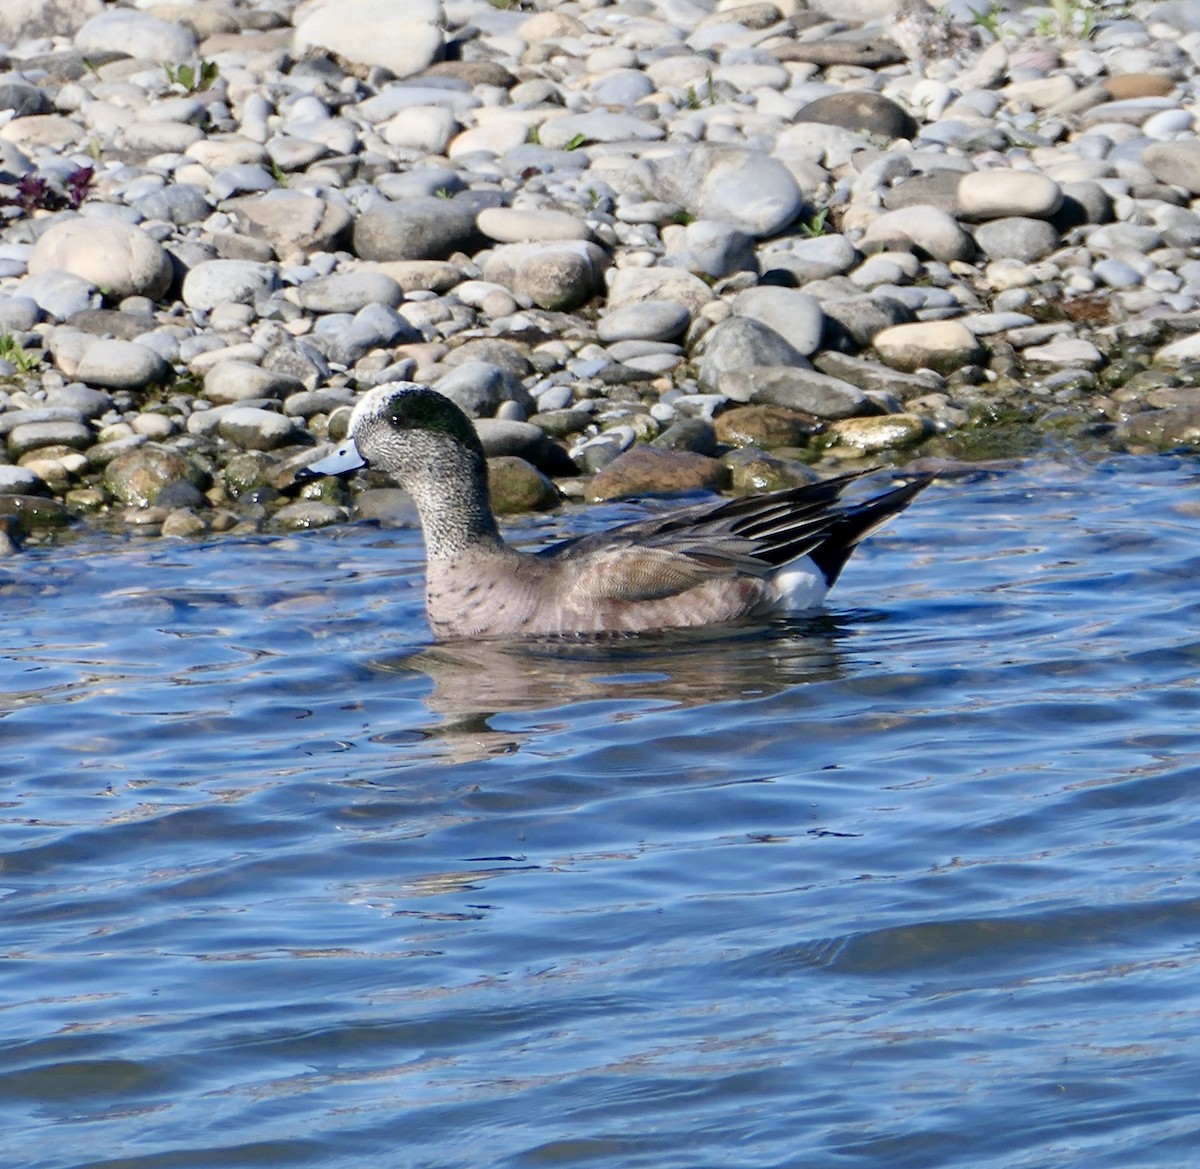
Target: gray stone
{"x":654,"y":320}
{"x":402,"y":38}
{"x":1016,"y":238}
{"x":558,"y":133}
{"x":480,"y":389}
{"x":216,"y":282}
{"x":252,"y":428}
{"x":862,"y":110}
{"x":732,"y":184}
{"x":796,"y":388}
{"x":88,"y":402}
{"x":373,"y":327}
{"x":501,"y":436}
{"x":27,"y":20}
{"x":557,"y":276}
{"x":228,"y":382}
{"x":348,"y":292}
{"x":18,"y":314}
{"x":137,"y":477}
{"x":13,"y":418}
{"x":417,"y":229}
{"x":810,"y":259}
{"x":937,"y":188}
{"x":179,"y":203}
{"x":60,"y":294}
{"x":738,"y":343}
{"x":795,"y":316}
{"x":31,"y":436}
{"x":922,"y":227}
{"x":1176,"y":163}
{"x":121,"y":365}
{"x":19,"y":481}
{"x":1117,"y":273}
{"x":710,"y":248}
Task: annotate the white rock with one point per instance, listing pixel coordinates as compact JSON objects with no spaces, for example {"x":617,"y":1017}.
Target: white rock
{"x":405,"y":38}
{"x":214,"y":282}
{"x":136,"y":34}
{"x":116,"y":257}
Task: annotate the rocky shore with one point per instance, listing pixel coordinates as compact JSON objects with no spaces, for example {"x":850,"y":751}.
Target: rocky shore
{"x":651,"y":245}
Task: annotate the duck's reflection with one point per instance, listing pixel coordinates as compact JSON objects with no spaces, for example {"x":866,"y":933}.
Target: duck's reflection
{"x":474,"y":684}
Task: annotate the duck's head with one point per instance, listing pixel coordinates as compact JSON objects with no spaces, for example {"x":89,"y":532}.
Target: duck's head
{"x":408,"y":430}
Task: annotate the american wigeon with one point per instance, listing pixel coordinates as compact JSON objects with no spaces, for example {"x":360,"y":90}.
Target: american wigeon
{"x":706,"y":564}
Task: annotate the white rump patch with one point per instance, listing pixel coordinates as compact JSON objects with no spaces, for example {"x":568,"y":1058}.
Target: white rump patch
{"x":798,"y":586}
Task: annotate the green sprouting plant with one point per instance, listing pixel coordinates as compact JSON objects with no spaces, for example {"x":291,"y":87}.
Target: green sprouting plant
{"x":14,"y":354}
{"x":534,"y":137}
{"x":1068,"y":18}
{"x":693,"y":98}
{"x":575,"y":142}
{"x":988,"y":18}
{"x":817,"y":225}
{"x":279,"y":174}
{"x":193,"y":78}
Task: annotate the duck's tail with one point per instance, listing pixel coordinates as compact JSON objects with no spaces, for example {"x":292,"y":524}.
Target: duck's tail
{"x":858,"y":521}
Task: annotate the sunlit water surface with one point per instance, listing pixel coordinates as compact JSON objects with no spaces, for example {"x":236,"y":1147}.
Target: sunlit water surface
{"x":912,"y":883}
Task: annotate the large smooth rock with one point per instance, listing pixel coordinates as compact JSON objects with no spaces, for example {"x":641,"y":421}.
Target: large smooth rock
{"x":404,"y":38}
{"x":138,"y":477}
{"x":943,"y":346}
{"x":214,"y":282}
{"x":861,"y":110}
{"x":995,"y":194}
{"x":926,"y":228}
{"x":422,"y":228}
{"x":555,"y":276}
{"x":643,"y":470}
{"x":121,"y":365}
{"x":745,"y":188}
{"x":294,"y":223}
{"x":738,"y":343}
{"x":116,"y":257}
{"x":795,"y":316}
{"x":136,"y":34}
{"x":806,"y":390}
{"x":1177,"y":163}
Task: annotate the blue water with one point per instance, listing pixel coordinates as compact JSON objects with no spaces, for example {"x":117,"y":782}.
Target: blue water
{"x":911,"y":883}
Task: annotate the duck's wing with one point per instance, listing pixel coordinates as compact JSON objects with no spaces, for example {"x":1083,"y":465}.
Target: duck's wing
{"x":751,"y":536}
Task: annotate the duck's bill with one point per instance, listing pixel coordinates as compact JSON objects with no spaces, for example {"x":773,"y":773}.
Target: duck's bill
{"x":343,"y":460}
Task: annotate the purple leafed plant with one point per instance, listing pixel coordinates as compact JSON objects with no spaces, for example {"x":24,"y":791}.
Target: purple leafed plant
{"x":37,"y":193}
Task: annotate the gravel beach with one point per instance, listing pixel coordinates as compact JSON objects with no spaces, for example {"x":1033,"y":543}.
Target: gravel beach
{"x":651,"y":246}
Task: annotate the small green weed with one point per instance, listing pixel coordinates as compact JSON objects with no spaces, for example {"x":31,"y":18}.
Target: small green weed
{"x":24,"y":359}
{"x":817,"y":224}
{"x":193,"y":78}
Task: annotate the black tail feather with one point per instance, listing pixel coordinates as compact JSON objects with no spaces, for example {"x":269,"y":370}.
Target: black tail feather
{"x":860,"y":521}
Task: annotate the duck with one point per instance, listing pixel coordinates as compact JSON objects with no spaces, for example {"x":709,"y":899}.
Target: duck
{"x":708,"y":564}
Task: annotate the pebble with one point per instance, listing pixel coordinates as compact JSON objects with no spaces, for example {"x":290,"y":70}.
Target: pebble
{"x":643,"y":233}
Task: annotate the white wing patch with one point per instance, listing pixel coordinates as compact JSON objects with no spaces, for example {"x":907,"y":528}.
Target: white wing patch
{"x":799,"y":585}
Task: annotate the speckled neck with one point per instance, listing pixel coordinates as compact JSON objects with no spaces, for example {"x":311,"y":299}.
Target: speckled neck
{"x":452,"y":499}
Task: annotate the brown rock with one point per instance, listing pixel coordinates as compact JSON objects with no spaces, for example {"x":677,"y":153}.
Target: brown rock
{"x":515,"y":486}
{"x":644,"y":470}
{"x":752,"y":471}
{"x":765,"y":426}
{"x":1130,"y":85}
